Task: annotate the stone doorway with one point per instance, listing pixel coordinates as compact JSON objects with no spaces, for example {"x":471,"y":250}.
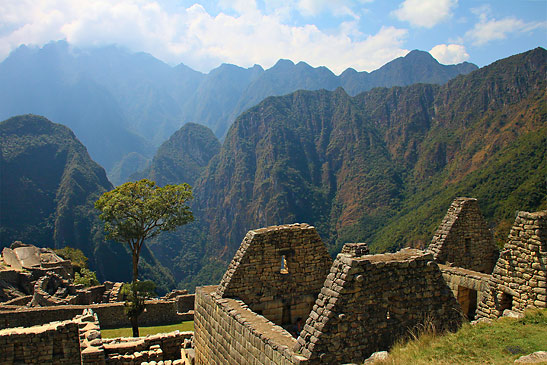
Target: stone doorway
{"x":505,"y":302}
{"x":468,"y":301}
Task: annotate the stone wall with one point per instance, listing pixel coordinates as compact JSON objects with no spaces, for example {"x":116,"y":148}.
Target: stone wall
{"x":78,"y":341}
{"x":54,"y":343}
{"x":228,"y":332}
{"x":159,"y":347}
{"x":51,"y":290}
{"x":278,"y":272}
{"x":519,"y":280}
{"x":369,"y":302}
{"x":185,"y":303}
{"x":111,"y":315}
{"x":355,"y":249}
{"x":463,"y":238}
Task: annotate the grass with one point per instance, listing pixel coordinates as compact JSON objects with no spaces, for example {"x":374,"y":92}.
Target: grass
{"x":500,"y":342}
{"x":144,"y":331}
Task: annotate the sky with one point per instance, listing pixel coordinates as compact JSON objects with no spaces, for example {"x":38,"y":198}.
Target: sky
{"x":338,"y":34}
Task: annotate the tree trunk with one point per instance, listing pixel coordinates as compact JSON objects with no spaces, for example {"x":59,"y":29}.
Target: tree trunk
{"x":135,"y":266}
{"x":134,"y":319}
{"x":135,"y":325}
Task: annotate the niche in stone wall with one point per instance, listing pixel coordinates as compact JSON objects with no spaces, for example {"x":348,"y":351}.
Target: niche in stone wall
{"x":286,"y":314}
{"x":283,"y":268}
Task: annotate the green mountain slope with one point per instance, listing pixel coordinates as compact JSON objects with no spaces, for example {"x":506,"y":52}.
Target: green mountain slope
{"x":381,"y":167}
{"x":183,"y":156}
{"x":48,"y":187}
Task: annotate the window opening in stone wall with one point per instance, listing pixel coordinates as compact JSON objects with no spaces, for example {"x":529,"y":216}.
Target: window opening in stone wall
{"x":58,"y":352}
{"x":467,"y":246}
{"x":468,"y":301}
{"x":284,"y":269}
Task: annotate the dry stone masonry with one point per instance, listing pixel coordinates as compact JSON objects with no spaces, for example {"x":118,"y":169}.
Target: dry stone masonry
{"x":78,"y":341}
{"x":469,"y":287}
{"x":283,"y":301}
{"x":519,"y":280}
{"x":227,"y":331}
{"x":278,"y":272}
{"x":55,"y":343}
{"x":364,"y":302}
{"x":369,"y":302}
{"x":355,"y":249}
{"x":463,"y":238}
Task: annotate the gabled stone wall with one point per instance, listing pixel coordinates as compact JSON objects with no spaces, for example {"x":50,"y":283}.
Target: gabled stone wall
{"x":519,"y":280}
{"x":369,"y":302}
{"x":463,"y":238}
{"x":278,"y":272}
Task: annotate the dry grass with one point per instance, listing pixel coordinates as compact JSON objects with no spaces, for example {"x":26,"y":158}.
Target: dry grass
{"x":500,"y":342}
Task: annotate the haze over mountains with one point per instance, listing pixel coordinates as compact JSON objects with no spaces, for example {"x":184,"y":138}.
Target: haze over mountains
{"x":48,"y":187}
{"x":121,"y":105}
{"x":379,"y":167}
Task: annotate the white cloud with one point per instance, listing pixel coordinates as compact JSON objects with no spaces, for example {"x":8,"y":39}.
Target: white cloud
{"x":425,"y":13}
{"x":449,"y":54}
{"x":335,"y":7}
{"x":487,"y":30}
{"x":193,"y":36}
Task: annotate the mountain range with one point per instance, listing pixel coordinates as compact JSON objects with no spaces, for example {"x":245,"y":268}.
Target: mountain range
{"x":380,"y":167}
{"x":122,"y":105}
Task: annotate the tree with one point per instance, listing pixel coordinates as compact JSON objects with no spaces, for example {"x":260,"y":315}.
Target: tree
{"x":136,"y":211}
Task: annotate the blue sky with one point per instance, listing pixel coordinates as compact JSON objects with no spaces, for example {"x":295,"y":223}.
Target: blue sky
{"x":363,"y":34}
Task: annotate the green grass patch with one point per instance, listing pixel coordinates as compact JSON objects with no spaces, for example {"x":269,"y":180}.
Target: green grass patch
{"x":499,"y":342}
{"x":145,"y":331}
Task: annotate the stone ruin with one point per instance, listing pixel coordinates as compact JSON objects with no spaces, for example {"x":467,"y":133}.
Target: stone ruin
{"x":369,"y":302}
{"x":283,"y":301}
{"x":364,"y":303}
{"x":78,"y":341}
{"x":463,"y":238}
{"x":278,"y":272}
{"x":360,"y":303}
{"x":519,"y":280}
{"x":24,"y":256}
{"x":515,"y":281}
{"x":34,"y":276}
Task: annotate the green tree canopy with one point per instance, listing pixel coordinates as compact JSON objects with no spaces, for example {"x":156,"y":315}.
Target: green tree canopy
{"x":135,"y":211}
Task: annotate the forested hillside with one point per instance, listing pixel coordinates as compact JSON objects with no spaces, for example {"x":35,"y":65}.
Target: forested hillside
{"x":48,"y":187}
{"x":381,"y":167}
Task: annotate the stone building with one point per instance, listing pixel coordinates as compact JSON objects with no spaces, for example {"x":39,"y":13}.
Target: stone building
{"x":278,"y":272}
{"x":519,"y":280}
{"x":369,"y":302}
{"x":356,"y":306}
{"x":463,"y":238}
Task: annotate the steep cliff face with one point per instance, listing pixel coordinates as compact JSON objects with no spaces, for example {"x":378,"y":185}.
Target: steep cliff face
{"x":48,"y":187}
{"x":308,"y":156}
{"x":183,"y":157}
{"x":382,"y":166}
